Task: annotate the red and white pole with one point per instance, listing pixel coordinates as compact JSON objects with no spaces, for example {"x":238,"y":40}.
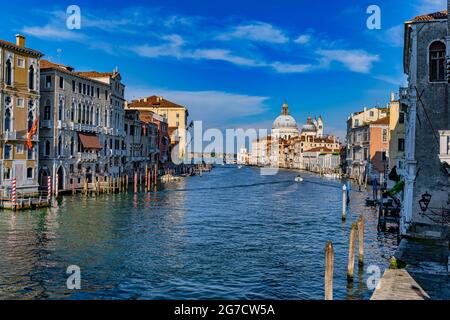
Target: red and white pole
{"x":13,"y":194}
{"x":56,"y":185}
{"x":49,"y":188}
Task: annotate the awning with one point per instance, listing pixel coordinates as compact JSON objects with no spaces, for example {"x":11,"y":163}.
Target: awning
{"x":90,"y":141}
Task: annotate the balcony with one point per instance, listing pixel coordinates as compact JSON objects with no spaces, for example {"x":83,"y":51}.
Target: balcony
{"x":9,"y":135}
{"x":86,"y":156}
{"x":62,"y":125}
{"x":403,"y":93}
{"x":444,"y":146}
{"x":46,"y":124}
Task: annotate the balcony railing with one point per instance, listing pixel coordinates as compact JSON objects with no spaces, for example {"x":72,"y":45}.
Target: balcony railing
{"x":403,"y":93}
{"x":86,"y":156}
{"x":47,"y":124}
{"x":444,"y":144}
{"x":9,"y":135}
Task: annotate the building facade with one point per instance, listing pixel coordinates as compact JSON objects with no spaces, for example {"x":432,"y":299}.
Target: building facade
{"x":397,"y":136}
{"x":366,"y":145}
{"x":19,"y":112}
{"x":426,"y":101}
{"x":176,"y":117}
{"x":81,"y":125}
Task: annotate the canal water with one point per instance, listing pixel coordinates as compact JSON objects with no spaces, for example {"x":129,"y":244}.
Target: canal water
{"x":229,"y":234}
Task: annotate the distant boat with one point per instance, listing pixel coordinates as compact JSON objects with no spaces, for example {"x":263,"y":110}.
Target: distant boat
{"x":331,"y":175}
{"x":239,"y":167}
{"x":298,"y":178}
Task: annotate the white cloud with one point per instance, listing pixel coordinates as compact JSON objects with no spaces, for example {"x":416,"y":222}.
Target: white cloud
{"x":257,"y":32}
{"x":400,"y":80}
{"x":430,"y":6}
{"x":354,"y":60}
{"x":215,"y":108}
{"x":394,"y":36}
{"x":291,"y":68}
{"x":53,"y":33}
{"x":303,"y":39}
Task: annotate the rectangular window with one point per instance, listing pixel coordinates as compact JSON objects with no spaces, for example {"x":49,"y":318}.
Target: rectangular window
{"x":48,"y":82}
{"x":20,"y":102}
{"x":7,"y":152}
{"x":6,"y":173}
{"x":74,"y":86}
{"x":383,"y":156}
{"x":30,"y":154}
{"x":98,"y":93}
{"x":30,"y":173}
{"x":106,"y":95}
{"x":21,"y":62}
{"x":401,"y":117}
{"x":79,"y":87}
{"x":61,"y":82}
{"x":401,"y":144}
{"x":84,"y":88}
{"x":19,"y":149}
{"x":385,"y":135}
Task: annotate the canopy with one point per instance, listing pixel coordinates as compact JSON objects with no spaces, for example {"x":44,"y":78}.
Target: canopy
{"x":90,"y":141}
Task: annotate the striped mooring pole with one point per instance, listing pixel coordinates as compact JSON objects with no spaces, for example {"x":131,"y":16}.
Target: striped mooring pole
{"x":13,"y":194}
{"x":49,"y":188}
{"x":56,"y":185}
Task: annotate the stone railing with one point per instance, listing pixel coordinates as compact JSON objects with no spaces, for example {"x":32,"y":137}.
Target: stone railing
{"x":86,"y":156}
{"x":444,"y":146}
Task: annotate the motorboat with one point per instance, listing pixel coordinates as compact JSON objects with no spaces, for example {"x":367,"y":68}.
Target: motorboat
{"x":298,"y":178}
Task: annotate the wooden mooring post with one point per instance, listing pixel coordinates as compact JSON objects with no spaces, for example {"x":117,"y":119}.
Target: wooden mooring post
{"x":329,"y":270}
{"x":361,"y":241}
{"x":351,"y":252}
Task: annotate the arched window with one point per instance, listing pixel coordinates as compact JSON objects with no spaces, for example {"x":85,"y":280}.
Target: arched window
{"x":72,"y":112}
{"x":437,"y":61}
{"x":8,"y":72}
{"x":60,"y":111}
{"x":47,"y":148}
{"x":8,"y":117}
{"x":60,"y":151}
{"x":30,"y":119}
{"x":47,"y":108}
{"x":31,"y":78}
{"x":72,"y":146}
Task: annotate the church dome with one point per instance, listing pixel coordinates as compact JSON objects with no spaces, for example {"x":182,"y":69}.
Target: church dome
{"x":309,"y":126}
{"x":285,"y":120}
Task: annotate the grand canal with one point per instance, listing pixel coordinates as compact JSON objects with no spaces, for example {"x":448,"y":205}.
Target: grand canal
{"x":230,"y":234}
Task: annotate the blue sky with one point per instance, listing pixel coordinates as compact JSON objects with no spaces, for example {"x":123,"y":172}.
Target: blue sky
{"x":232,"y":63}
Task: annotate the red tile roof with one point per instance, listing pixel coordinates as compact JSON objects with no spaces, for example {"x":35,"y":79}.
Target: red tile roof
{"x":382,"y":121}
{"x":432,"y":16}
{"x":322,"y":149}
{"x":153,"y":102}
{"x":16,"y":47}
{"x":95,"y":74}
{"x":45,"y":64}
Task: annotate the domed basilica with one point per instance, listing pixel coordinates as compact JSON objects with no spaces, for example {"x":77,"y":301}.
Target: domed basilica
{"x":285,"y":127}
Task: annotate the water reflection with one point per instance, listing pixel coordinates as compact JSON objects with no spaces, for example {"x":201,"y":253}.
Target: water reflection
{"x":230,"y":234}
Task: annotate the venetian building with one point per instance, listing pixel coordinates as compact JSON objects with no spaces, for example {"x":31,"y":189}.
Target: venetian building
{"x":284,"y":127}
{"x":19,"y":110}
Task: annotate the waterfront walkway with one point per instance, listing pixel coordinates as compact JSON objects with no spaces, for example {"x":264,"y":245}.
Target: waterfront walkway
{"x":426,"y":272}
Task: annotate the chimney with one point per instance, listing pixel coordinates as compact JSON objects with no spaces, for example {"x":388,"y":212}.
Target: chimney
{"x":20,"y":40}
{"x":393,"y":94}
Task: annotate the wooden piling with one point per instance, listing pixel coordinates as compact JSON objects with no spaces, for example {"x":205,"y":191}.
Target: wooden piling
{"x":329,"y":270}
{"x":126,"y":183}
{"x":351,"y":252}
{"x":344,"y":202}
{"x":135,"y":182}
{"x":361,"y":241}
